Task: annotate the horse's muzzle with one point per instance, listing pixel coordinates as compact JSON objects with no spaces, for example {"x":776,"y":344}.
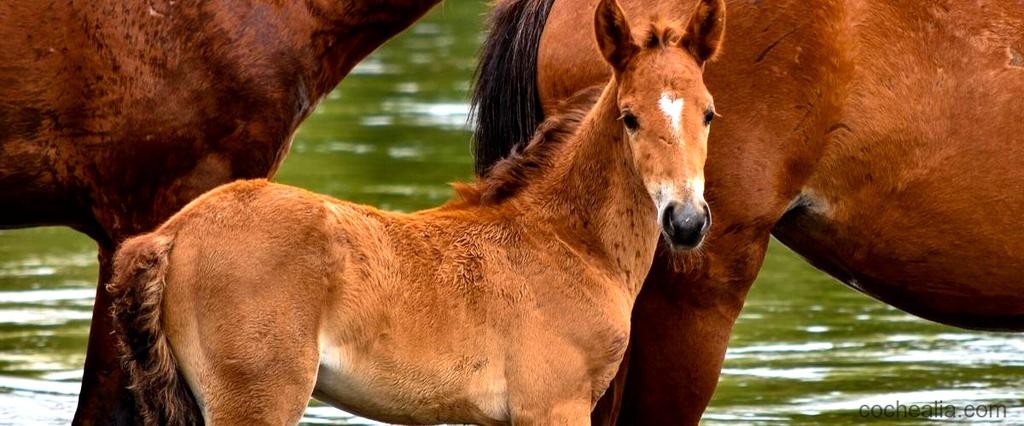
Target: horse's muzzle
{"x":685,"y":224}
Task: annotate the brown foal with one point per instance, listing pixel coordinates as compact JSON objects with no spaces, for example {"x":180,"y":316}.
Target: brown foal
{"x":510,"y":304}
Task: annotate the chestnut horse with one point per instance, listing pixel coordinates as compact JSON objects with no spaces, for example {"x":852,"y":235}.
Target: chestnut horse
{"x":508,"y":305}
{"x":880,"y":139}
{"x":115,"y":113}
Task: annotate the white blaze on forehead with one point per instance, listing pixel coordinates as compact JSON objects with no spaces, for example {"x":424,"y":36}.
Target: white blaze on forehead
{"x":673,"y":108}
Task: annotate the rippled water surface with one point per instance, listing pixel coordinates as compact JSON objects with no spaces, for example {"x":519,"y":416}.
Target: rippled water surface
{"x":806,"y":349}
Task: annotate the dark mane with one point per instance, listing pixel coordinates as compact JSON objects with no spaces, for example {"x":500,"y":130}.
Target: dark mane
{"x":508,"y":176}
{"x":662,"y":34}
{"x":506,"y":105}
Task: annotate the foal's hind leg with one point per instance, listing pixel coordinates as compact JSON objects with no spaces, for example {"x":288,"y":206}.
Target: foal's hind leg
{"x":252,"y":365}
{"x":270,"y":390}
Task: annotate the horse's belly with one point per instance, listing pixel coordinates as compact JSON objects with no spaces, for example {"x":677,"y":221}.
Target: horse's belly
{"x":385,"y":388}
{"x":907,"y":255}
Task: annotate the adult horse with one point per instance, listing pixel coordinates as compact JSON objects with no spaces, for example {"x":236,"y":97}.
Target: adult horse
{"x":115,"y":113}
{"x":880,"y":139}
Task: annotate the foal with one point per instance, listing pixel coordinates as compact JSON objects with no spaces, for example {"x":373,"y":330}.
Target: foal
{"x":508,"y":305}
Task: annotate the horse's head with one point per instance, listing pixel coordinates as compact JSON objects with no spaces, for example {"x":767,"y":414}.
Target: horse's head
{"x":666,"y":110}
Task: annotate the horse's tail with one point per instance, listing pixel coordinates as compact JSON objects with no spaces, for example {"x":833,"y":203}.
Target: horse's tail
{"x":137,"y":289}
{"x":506,"y":103}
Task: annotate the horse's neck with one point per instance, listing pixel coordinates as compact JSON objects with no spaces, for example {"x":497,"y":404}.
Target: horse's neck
{"x":357,"y":27}
{"x":595,"y":199}
{"x":324,"y":40}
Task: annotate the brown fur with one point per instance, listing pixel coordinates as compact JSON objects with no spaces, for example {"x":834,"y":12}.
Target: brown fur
{"x":523,"y":165}
{"x":116,"y":113}
{"x":137,"y":289}
{"x":510,"y":310}
{"x":662,"y":34}
{"x":880,"y":139}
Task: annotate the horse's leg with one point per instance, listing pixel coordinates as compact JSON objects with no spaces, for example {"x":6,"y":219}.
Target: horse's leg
{"x":33,"y":195}
{"x":258,"y":362}
{"x":567,"y":413}
{"x":681,"y":328}
{"x":104,"y":398}
{"x":610,"y":404}
{"x":274,"y":392}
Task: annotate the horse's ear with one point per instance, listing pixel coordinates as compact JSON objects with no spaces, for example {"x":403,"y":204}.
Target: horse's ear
{"x":613,"y":35}
{"x":705,"y":31}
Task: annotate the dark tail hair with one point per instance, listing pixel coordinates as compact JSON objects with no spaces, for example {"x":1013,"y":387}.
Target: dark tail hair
{"x":506,"y":104}
{"x":137,"y":289}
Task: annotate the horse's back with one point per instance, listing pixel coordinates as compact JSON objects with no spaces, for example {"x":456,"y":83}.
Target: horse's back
{"x":255,"y":221}
{"x":246,"y":238}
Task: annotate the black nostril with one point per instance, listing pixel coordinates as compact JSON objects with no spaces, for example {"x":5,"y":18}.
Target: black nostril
{"x":668,"y":217}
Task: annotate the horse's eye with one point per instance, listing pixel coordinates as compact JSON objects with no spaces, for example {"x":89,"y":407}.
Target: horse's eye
{"x":630,"y":121}
{"x":708,"y":116}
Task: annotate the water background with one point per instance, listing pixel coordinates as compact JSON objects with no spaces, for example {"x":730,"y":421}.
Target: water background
{"x":806,"y":349}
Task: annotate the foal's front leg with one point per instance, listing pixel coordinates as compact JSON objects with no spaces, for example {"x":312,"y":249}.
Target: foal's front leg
{"x":574,"y":412}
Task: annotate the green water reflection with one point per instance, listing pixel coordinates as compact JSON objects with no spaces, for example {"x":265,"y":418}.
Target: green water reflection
{"x":806,"y":350}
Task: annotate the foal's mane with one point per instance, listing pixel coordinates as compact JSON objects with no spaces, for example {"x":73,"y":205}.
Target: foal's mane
{"x":662,"y":33}
{"x":510,"y":175}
